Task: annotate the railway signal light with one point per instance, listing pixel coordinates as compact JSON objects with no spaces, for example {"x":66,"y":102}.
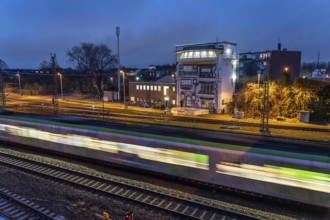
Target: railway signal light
{"x":129,"y":216}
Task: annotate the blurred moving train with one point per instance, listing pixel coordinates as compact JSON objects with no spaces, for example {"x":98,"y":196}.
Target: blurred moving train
{"x":288,"y":175}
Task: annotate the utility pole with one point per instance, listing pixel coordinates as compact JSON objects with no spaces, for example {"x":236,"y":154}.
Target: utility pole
{"x":55,"y":97}
{"x":3,"y":94}
{"x":119,"y":84}
{"x":264,"y":128}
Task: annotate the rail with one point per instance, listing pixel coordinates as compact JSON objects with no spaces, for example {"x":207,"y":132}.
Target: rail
{"x":172,"y":204}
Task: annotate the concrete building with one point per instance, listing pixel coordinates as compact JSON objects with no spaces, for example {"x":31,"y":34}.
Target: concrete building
{"x":282,"y":63}
{"x":157,"y":94}
{"x":205,"y":75}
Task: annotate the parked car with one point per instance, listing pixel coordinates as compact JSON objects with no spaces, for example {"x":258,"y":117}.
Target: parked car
{"x":144,"y":104}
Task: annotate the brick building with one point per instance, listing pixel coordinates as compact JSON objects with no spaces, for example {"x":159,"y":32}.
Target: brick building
{"x":282,"y":63}
{"x":157,"y":94}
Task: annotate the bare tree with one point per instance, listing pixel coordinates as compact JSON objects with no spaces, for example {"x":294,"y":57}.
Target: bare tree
{"x":92,"y":59}
{"x":44,"y":65}
{"x":3,"y":65}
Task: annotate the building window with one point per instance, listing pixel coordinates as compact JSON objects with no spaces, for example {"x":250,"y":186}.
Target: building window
{"x":173,"y":88}
{"x":165,"y":89}
{"x":182,"y":96}
{"x":159,"y":88}
{"x":206,"y":72}
{"x":151,"y":88}
{"x":173,"y":102}
{"x":188,"y":103}
{"x":137,"y":87}
{"x":207,"y":88}
{"x":140,"y":87}
{"x":186,"y":82}
{"x":147,"y":87}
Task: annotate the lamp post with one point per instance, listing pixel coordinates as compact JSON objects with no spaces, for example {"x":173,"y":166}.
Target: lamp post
{"x":19,"y":83}
{"x":59,"y":74}
{"x":2,"y":93}
{"x":124,"y":88}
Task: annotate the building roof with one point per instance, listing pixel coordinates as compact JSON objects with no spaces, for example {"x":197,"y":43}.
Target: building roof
{"x":199,"y":46}
{"x":166,"y":79}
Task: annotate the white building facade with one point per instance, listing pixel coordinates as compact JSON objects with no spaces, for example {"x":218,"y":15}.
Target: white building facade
{"x":206,"y":75}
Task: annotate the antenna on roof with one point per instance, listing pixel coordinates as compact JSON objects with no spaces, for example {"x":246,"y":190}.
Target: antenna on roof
{"x":279,"y":46}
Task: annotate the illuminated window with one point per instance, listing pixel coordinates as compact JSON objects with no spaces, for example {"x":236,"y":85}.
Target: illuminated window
{"x":198,"y":54}
{"x":159,"y":88}
{"x":148,"y":87}
{"x":165,"y":89}
{"x":140,"y":87}
{"x":137,"y":87}
{"x":151,"y":88}
{"x":173,"y":102}
{"x":144,"y":87}
{"x":173,"y":88}
{"x":211,"y":53}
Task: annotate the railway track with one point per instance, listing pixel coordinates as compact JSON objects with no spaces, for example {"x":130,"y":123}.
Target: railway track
{"x":171,"y":204}
{"x":121,"y":115}
{"x":13,"y":206}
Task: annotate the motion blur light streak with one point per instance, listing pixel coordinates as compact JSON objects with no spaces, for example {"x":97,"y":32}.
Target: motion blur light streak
{"x":282,"y":175}
{"x":156,"y":154}
{"x":302,"y":177}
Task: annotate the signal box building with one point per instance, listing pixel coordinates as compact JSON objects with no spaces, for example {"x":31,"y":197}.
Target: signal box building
{"x":205,"y":75}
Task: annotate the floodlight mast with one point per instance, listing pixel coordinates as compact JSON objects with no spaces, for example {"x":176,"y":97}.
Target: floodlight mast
{"x":264,"y":128}
{"x":118,"y":62}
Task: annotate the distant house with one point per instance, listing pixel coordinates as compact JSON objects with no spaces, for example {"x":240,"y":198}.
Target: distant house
{"x":206,"y":75}
{"x":282,"y":63}
{"x":157,"y":94}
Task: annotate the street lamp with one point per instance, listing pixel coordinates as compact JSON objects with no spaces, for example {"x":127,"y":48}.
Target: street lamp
{"x":122,"y":72}
{"x":59,"y":74}
{"x":19,"y":83}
